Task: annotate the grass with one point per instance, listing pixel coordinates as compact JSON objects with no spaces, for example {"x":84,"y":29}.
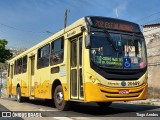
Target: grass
{"x":146,"y":103}
{"x":157,"y":101}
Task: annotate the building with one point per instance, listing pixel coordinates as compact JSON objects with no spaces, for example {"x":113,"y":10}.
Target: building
{"x":152,"y":36}
{"x":151,"y":31}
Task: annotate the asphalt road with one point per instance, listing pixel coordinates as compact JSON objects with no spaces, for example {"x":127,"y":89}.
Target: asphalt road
{"x":83,"y":110}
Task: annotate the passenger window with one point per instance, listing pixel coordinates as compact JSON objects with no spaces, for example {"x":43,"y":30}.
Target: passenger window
{"x":8,"y":70}
{"x":43,"y":56}
{"x":57,"y":51}
{"x":24,"y":69}
{"x":18,"y":66}
{"x":15,"y":67}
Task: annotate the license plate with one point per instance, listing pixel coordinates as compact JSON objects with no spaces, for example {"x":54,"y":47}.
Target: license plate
{"x":123,"y":92}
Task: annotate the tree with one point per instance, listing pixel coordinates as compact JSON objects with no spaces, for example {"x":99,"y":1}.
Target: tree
{"x":5,"y":54}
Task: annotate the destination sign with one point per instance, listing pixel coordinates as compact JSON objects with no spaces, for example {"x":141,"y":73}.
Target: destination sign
{"x":116,"y":24}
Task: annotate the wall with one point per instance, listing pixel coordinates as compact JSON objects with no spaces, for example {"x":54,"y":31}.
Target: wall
{"x":152,"y":38}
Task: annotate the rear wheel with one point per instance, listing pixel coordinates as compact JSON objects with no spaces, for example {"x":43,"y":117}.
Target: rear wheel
{"x":18,"y":96}
{"x":25,"y":99}
{"x":104,"y":104}
{"x":9,"y":96}
{"x":50,"y":102}
{"x":60,"y":103}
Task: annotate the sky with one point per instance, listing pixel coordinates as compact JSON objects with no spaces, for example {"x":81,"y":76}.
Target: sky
{"x":24,"y":23}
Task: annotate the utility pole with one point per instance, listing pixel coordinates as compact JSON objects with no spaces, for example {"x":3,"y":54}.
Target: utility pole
{"x":65,"y":17}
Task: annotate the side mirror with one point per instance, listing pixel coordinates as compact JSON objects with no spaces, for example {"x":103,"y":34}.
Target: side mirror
{"x":87,"y":42}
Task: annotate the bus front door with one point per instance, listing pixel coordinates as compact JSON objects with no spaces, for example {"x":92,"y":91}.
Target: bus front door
{"x":76,"y":83}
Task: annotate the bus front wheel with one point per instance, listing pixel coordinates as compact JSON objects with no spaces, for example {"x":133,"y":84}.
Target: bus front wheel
{"x":104,"y":104}
{"x":60,"y":103}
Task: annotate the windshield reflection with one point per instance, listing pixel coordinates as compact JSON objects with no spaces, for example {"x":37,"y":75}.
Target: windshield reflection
{"x":131,"y":53}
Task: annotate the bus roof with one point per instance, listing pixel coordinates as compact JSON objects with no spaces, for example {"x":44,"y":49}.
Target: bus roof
{"x":106,"y":22}
{"x":77,"y":23}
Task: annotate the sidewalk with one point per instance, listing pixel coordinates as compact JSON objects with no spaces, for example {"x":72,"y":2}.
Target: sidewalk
{"x":151,"y":101}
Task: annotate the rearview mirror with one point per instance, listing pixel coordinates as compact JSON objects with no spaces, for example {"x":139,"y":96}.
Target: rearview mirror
{"x":87,"y":42}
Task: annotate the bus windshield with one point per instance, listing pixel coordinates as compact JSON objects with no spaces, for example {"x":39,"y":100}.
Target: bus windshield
{"x":130,"y":51}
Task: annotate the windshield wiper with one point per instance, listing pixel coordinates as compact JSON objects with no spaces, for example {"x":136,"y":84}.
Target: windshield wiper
{"x":111,"y":40}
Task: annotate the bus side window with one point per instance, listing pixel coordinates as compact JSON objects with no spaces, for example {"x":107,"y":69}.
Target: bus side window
{"x":24,"y":64}
{"x":57,"y":51}
{"x":11,"y":73}
{"x":8,"y":70}
{"x":15,"y":67}
{"x":43,"y":56}
{"x":19,"y":66}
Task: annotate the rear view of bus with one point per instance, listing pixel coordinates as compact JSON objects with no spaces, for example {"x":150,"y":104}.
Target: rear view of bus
{"x":115,"y":64}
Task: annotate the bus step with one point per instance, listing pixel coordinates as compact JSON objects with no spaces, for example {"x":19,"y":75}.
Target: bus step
{"x":31,"y":98}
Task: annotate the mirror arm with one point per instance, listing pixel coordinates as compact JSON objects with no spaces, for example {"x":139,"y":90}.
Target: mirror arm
{"x":87,"y":41}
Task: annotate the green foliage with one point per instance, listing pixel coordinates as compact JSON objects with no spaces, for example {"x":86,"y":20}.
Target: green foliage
{"x":5,"y":54}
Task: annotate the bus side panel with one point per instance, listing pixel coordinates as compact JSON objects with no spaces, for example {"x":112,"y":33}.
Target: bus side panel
{"x":15,"y":82}
{"x":63,"y":74}
{"x":62,"y":77}
{"x":41,"y":82}
{"x":9,"y":87}
{"x":24,"y":85}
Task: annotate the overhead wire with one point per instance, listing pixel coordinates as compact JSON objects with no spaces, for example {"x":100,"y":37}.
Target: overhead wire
{"x":30,"y":31}
{"x":144,"y":18}
{"x":22,"y":30}
{"x":11,"y":27}
{"x":152,"y":21}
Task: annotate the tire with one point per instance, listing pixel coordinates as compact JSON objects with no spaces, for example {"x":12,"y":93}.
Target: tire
{"x":9,"y":96}
{"x":104,"y":104}
{"x":59,"y":101}
{"x":50,"y":102}
{"x":25,"y":99}
{"x":18,"y":95}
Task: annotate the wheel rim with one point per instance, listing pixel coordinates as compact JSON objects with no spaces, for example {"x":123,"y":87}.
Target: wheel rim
{"x":18,"y":96}
{"x":59,"y":97}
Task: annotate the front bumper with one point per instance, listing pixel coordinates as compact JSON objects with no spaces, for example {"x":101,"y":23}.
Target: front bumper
{"x":102,"y":93}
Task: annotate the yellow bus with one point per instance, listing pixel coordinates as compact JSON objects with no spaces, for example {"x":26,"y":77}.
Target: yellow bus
{"x":95,"y":59}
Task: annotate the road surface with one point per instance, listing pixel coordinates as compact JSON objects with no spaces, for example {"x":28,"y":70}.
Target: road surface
{"x":82,"y":111}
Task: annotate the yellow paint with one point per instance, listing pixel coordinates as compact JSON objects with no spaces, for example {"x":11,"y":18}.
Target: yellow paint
{"x":93,"y":93}
{"x":13,"y":90}
{"x":96,"y":78}
{"x":9,"y":87}
{"x":65,"y":91}
{"x":24,"y":88}
{"x":96,"y":88}
{"x":43,"y":90}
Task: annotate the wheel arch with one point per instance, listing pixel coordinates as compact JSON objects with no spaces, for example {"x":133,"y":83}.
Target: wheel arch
{"x":55,"y":83}
{"x":18,"y":85}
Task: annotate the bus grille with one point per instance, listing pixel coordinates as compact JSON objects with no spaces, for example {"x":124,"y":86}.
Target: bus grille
{"x":114,"y":92}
